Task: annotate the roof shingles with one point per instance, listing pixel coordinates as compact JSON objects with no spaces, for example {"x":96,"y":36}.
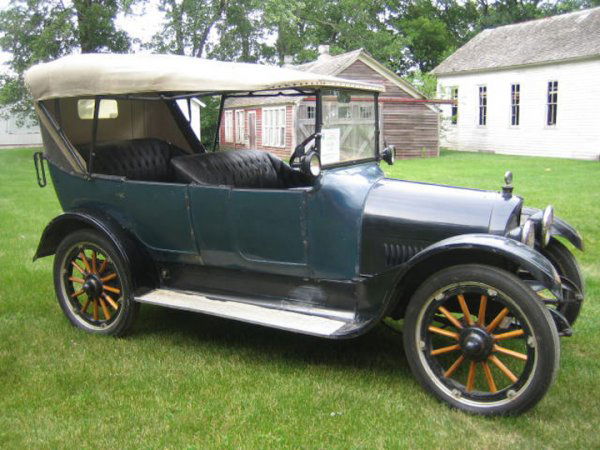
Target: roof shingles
{"x":553,"y":39}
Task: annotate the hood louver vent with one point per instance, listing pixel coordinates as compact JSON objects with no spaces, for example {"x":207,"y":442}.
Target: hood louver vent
{"x":398,"y":253}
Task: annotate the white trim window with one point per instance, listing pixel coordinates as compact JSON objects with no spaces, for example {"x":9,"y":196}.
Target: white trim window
{"x":311,"y":112}
{"x":229,"y":126}
{"x":344,"y":112}
{"x":454,"y":106}
{"x":482,"y":106}
{"x":552,"y":106}
{"x":273,"y":120}
{"x":240,"y":126}
{"x":365,"y":112}
{"x":515,"y":104}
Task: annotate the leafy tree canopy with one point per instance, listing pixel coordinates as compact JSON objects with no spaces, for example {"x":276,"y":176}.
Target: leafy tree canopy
{"x":34,"y":31}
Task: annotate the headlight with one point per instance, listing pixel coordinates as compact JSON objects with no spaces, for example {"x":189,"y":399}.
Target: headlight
{"x":315,"y":166}
{"x":528,"y":234}
{"x":311,"y":164}
{"x":547,"y":221}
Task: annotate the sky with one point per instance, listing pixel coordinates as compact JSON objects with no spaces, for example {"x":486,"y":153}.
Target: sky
{"x":143,"y":23}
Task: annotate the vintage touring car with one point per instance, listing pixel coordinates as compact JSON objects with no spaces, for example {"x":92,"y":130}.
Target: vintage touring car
{"x":324,"y":245}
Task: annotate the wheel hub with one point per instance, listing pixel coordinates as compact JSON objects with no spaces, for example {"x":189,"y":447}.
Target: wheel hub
{"x":92,"y":286}
{"x":476,"y":343}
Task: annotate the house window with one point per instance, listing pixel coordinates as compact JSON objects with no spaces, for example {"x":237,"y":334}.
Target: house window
{"x":515,"y":104}
{"x":311,"y":112}
{"x":365,"y":112}
{"x":228,"y":126}
{"x":274,"y":127}
{"x":552,"y":102}
{"x":344,"y":112}
{"x":454,"y":107}
{"x":482,"y":105}
{"x":108,"y":109}
{"x":240,"y":127}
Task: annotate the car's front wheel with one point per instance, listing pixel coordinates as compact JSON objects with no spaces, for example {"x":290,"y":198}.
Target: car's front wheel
{"x":93,"y":284}
{"x":479,"y":339}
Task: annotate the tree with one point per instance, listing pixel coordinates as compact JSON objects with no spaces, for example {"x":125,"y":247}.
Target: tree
{"x":187,"y":26}
{"x":428,"y":40}
{"x":300,"y":26}
{"x":505,"y":12}
{"x":241,"y":32}
{"x":432,"y":29}
{"x":95,"y":28}
{"x":41,"y":30}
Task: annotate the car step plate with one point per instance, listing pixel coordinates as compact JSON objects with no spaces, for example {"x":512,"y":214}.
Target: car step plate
{"x":275,"y":318}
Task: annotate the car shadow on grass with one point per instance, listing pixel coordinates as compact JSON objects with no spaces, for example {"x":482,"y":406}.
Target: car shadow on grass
{"x":380,"y":350}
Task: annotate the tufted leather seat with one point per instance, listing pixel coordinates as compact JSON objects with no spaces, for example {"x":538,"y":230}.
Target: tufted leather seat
{"x":242,"y":169}
{"x":144,"y":159}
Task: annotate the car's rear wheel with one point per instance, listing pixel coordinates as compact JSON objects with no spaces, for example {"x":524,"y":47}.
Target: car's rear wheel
{"x":479,"y":339}
{"x":93,"y":284}
{"x":567,"y":267}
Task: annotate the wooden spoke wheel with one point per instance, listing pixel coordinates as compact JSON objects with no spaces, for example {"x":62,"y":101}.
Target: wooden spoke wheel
{"x":92,"y":283}
{"x":479,"y":339}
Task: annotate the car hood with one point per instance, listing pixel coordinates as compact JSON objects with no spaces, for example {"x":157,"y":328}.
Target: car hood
{"x":409,"y":216}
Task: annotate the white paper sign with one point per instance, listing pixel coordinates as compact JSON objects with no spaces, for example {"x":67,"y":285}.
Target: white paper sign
{"x":330,"y":145}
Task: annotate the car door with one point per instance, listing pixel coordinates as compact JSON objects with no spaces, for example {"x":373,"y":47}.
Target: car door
{"x":158,"y":214}
{"x":260,"y":230}
{"x":269,"y":229}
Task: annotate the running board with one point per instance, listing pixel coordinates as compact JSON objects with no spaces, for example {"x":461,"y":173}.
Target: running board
{"x":245,"y":312}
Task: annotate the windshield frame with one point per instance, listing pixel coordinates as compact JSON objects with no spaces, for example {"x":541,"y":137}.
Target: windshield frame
{"x":299,"y":92}
{"x":319,"y":127}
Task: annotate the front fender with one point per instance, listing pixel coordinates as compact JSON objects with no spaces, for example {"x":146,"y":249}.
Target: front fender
{"x":509,"y":249}
{"x":559,"y":228}
{"x":132,"y":252}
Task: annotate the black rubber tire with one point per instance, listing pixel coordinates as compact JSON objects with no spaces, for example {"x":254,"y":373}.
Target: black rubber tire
{"x":566,"y":266}
{"x":547,"y":343}
{"x":128,"y":307}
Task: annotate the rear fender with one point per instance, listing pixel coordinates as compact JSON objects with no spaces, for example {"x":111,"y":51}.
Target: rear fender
{"x":131,"y":251}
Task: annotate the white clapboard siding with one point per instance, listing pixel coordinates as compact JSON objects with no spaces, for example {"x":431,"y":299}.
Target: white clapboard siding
{"x":16,"y":134}
{"x":576,"y":134}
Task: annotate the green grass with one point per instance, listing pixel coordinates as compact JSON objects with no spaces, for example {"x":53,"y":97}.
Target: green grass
{"x":185,"y":380}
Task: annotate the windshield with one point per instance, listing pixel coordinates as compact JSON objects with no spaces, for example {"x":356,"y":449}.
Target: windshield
{"x":348,"y":131}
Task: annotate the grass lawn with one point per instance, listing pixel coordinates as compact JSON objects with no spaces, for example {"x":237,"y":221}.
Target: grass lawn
{"x":186,"y":380}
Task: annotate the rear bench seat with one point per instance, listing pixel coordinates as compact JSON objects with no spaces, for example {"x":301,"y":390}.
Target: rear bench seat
{"x":242,"y":169}
{"x":146,"y":159}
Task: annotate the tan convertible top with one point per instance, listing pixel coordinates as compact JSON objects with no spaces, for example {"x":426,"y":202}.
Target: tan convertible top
{"x":105,"y":74}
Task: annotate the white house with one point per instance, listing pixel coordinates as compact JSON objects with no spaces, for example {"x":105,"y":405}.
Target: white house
{"x":14,"y":134}
{"x":192,"y":111}
{"x":531,"y":88}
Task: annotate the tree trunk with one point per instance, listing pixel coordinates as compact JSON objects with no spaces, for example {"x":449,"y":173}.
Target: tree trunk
{"x":83,"y":30}
{"x":204,"y":37}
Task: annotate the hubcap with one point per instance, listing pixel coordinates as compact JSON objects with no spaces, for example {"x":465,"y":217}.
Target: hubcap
{"x":476,"y":343}
{"x":92,"y":286}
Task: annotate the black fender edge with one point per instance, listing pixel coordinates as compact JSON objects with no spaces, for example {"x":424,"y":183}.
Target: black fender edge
{"x":559,"y":228}
{"x":140,"y":264}
{"x":472,"y":248}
